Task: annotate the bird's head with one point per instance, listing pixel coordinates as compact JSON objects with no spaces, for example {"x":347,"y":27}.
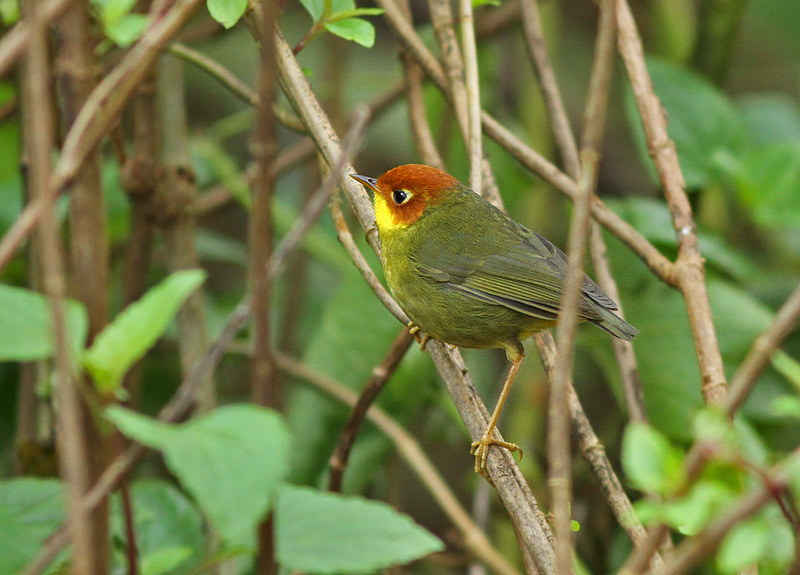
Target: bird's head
{"x":404,"y":193}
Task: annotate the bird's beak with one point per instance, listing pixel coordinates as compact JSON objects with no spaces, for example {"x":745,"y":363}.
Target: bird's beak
{"x":367,"y":181}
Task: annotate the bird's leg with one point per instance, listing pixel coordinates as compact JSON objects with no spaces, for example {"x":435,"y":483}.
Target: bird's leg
{"x":413,"y":329}
{"x":480,"y":449}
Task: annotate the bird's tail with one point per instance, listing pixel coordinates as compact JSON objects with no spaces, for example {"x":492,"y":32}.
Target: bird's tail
{"x":615,"y":325}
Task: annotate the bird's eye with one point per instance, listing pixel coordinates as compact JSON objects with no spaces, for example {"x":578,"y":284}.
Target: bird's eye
{"x":400,"y":197}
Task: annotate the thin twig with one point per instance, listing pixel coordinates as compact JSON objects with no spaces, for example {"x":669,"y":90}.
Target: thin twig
{"x":232,"y":83}
{"x":380,"y":376}
{"x":537,"y":49}
{"x":15,"y":40}
{"x":759,"y":355}
{"x":689,"y":268}
{"x":474,"y":134}
{"x":409,"y":449}
{"x":594,"y":453}
{"x":97,"y":116}
{"x":39,"y":125}
{"x":511,"y":486}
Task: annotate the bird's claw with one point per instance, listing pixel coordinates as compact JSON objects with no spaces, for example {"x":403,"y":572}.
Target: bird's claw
{"x":422,"y":339}
{"x":480,"y":449}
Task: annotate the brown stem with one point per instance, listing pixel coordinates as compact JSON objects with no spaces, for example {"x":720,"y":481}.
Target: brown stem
{"x":15,"y":40}
{"x":512,"y":487}
{"x":474,"y":134}
{"x":380,"y":376}
{"x":409,"y":449}
{"x":97,"y":117}
{"x":39,"y":126}
{"x":689,"y":268}
{"x":759,"y":355}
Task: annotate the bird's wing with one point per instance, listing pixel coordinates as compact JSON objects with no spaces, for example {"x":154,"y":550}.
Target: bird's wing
{"x":528,"y":276}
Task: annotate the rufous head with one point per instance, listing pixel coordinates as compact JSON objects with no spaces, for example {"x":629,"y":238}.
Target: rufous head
{"x":404,"y":193}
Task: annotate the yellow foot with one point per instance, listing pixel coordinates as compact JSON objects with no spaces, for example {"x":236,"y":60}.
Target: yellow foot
{"x":413,"y":329}
{"x":480,"y":449}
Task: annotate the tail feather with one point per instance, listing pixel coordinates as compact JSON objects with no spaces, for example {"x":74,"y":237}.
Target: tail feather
{"x":615,"y":325}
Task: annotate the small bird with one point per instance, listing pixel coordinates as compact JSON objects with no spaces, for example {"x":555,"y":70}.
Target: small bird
{"x":468,"y":275}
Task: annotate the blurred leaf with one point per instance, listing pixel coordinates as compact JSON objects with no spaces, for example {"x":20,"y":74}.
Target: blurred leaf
{"x":29,"y":511}
{"x":169,"y":529}
{"x":652,"y":219}
{"x":356,"y":30}
{"x":786,"y":406}
{"x":704,"y":125}
{"x":787,"y":366}
{"x":744,"y":545}
{"x":227,"y":12}
{"x":316,"y":8}
{"x":711,"y":424}
{"x":137,"y":328}
{"x":219,"y":163}
{"x":323,"y":533}
{"x":212,"y":246}
{"x":751,"y":445}
{"x":127,"y":30}
{"x":650,"y":462}
{"x":231,"y":460}
{"x":769,"y":185}
{"x":689,"y":514}
{"x":26,"y":332}
{"x":9,"y":12}
{"x":771,"y":118}
{"x":164,"y":560}
{"x":355,"y":13}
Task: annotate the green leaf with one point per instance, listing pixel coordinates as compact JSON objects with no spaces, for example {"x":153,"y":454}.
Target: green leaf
{"x":771,"y":118}
{"x":26,"y":332}
{"x":227,"y":12}
{"x":29,"y":511}
{"x":649,"y":461}
{"x":356,"y":12}
{"x":690,"y":514}
{"x":786,"y":406}
{"x":354,"y":29}
{"x":127,"y":30}
{"x":168,"y":526}
{"x":231,"y":460}
{"x":9,"y":12}
{"x":787,"y":366}
{"x":327,"y":533}
{"x":744,"y":545}
{"x":705,"y":126}
{"x":711,"y":424}
{"x":137,"y":328}
{"x":769,"y":185}
{"x":164,"y":560}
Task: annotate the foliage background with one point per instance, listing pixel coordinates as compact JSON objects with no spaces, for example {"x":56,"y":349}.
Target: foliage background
{"x":739,"y":145}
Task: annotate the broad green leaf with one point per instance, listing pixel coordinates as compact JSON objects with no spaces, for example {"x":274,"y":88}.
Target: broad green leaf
{"x":29,"y":511}
{"x":649,"y":461}
{"x":711,"y":424}
{"x":788,"y":367}
{"x":231,"y":460}
{"x":9,"y":12}
{"x":652,"y":219}
{"x":703,"y":123}
{"x":316,"y":8}
{"x":227,"y":12}
{"x":325,"y":533}
{"x":26,"y":332}
{"x":137,"y":328}
{"x":127,"y":30}
{"x":165,"y":560}
{"x":769,"y":184}
{"x":771,"y":118}
{"x":168,"y":526}
{"x":745,"y":545}
{"x":690,"y":514}
{"x":786,"y":406}
{"x":354,"y":29}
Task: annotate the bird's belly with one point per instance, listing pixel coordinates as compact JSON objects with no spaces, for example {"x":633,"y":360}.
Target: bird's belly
{"x":458,"y":319}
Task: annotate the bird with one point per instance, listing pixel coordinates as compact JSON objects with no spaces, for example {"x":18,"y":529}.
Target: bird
{"x":468,"y":275}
